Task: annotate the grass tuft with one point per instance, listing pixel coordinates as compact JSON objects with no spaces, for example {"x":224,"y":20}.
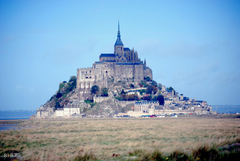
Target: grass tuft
{"x":204,"y":153}
{"x":178,"y":156}
{"x":86,"y":157}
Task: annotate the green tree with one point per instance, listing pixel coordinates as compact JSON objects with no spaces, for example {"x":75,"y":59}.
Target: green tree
{"x":148,"y":98}
{"x":131,"y":86}
{"x":154,"y":83}
{"x":104,"y":92}
{"x":147,"y":78}
{"x":73,"y":79}
{"x":160,"y":99}
{"x":122,"y":92}
{"x":71,"y":84}
{"x":155,"y":89}
{"x":159,"y":86}
{"x":142,"y":91}
{"x":171,"y":89}
{"x":57,"y":105}
{"x":149,"y":89}
{"x":132,"y":97}
{"x":95,"y":89}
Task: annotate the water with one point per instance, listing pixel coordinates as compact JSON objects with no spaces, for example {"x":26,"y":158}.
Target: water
{"x":230,"y":109}
{"x":4,"y":127}
{"x":13,"y":118}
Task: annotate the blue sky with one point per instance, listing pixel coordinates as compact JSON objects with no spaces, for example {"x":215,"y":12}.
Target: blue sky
{"x":193,"y":46}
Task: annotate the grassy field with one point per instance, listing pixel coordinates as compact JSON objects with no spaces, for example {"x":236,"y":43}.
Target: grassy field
{"x":104,"y":138}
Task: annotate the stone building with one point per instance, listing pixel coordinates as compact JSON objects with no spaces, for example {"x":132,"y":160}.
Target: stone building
{"x":67,"y":111}
{"x":145,"y":106}
{"x":122,"y":65}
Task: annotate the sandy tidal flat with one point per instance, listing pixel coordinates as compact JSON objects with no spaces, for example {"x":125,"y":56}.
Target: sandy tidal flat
{"x":66,"y":139}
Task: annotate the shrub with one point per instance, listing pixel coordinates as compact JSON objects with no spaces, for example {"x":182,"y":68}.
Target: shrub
{"x":85,"y":157}
{"x":90,"y":102}
{"x":59,"y":95}
{"x":143,"y":84}
{"x":118,"y":98}
{"x":61,"y":85}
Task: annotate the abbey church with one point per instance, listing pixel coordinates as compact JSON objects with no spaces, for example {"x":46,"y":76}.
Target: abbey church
{"x":122,"y":65}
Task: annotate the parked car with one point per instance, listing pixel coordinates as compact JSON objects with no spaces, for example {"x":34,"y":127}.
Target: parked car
{"x":117,"y":116}
{"x":126,"y":115}
{"x":174,"y":115}
{"x":145,"y":116}
{"x":153,"y":116}
{"x":161,"y":116}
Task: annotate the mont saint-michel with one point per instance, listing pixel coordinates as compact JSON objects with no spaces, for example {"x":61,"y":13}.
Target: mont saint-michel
{"x":121,"y":65}
{"x":119,"y":84}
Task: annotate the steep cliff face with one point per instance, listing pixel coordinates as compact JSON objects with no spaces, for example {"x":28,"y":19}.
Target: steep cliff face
{"x":109,"y":107}
{"x":66,"y":94}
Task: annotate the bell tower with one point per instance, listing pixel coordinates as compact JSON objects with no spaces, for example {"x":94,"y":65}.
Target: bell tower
{"x":118,"y":47}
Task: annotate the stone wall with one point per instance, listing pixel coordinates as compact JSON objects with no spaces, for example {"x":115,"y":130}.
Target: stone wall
{"x":125,"y":103}
{"x":100,"y":99}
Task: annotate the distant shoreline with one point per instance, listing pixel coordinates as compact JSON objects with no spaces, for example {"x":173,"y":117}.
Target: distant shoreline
{"x":14,"y":118}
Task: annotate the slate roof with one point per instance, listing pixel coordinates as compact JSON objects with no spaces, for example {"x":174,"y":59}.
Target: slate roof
{"x":129,"y":63}
{"x":126,"y":49}
{"x":107,"y":55}
{"x":110,"y":60}
{"x":99,"y":62}
{"x":146,"y":102}
{"x":118,"y":41}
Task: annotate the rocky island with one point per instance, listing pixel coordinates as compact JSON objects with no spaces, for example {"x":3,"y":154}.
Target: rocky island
{"x":119,"y":84}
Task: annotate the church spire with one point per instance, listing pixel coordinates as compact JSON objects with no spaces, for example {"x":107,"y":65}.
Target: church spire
{"x":118,"y":41}
{"x":118,"y":35}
